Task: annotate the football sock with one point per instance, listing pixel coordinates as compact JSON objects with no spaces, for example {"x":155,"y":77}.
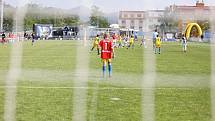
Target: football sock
{"x":98,"y":51}
{"x":110,"y":69}
{"x":104,"y":70}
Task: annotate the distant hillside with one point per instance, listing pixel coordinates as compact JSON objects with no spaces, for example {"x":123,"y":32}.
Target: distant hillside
{"x":36,"y":10}
{"x":8,"y":10}
{"x":48,"y":11}
{"x":83,"y":12}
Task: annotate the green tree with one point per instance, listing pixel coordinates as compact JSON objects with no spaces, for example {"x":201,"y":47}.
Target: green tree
{"x":31,"y":19}
{"x":96,"y":18}
{"x":34,"y":15}
{"x":8,"y":24}
{"x":205,"y":25}
{"x":168,"y":22}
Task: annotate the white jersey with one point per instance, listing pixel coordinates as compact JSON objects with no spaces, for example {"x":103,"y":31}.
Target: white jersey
{"x":155,"y":35}
{"x":184,"y":41}
{"x":184,"y":44}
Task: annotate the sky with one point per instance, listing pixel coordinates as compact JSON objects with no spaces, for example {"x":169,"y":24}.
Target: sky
{"x":112,"y":5}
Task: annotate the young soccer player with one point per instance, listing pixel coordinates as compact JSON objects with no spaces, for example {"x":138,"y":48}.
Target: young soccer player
{"x":131,"y":42}
{"x":155,"y":33}
{"x":3,"y":36}
{"x":33,"y":38}
{"x":106,"y":54}
{"x":158,"y":45}
{"x":143,"y":42}
{"x":125,"y":41}
{"x":96,"y":44}
{"x":119,"y":41}
{"x":135,"y":36}
{"x":184,"y":43}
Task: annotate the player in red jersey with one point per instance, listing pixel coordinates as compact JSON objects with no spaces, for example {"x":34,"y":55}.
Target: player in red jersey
{"x":106,"y":54}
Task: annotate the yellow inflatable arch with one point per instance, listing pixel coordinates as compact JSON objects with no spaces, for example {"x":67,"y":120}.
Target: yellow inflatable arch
{"x":189,"y":28}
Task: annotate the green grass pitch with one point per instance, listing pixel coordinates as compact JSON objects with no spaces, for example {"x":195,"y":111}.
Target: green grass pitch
{"x":45,"y":87}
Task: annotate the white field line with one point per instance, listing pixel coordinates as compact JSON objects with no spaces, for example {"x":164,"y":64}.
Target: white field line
{"x":95,"y":88}
{"x":11,"y":80}
{"x":148,"y":84}
{"x":118,"y":80}
{"x":93,"y":105}
{"x":213,"y":65}
{"x":80,"y":95}
{"x":197,"y":44}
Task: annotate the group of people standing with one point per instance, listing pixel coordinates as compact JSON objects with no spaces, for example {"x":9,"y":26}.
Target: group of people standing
{"x":30,"y":36}
{"x":157,"y":43}
{"x":118,"y":41}
{"x":105,"y":45}
{"x":7,"y":37}
{"x":12,"y":37}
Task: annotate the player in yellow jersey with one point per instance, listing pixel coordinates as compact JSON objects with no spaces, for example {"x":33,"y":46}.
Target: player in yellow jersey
{"x":119,"y":41}
{"x":131,"y":42}
{"x":96,"y":44}
{"x":158,"y":45}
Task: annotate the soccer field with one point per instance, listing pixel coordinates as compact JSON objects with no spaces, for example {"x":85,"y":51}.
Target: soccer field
{"x":46,"y":83}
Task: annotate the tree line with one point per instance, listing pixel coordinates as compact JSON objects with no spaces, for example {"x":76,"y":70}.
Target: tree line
{"x":49,"y":15}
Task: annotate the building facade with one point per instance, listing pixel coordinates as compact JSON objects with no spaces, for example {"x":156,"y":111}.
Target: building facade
{"x":140,"y":20}
{"x":131,"y":19}
{"x":153,"y":19}
{"x":187,"y":14}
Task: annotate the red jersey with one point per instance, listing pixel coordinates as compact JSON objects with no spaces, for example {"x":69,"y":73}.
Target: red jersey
{"x":114,"y":37}
{"x":106,"y":49}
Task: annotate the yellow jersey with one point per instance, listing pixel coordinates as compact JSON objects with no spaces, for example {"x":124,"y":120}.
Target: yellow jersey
{"x":120,"y":39}
{"x":96,"y":41}
{"x":131,"y":40}
{"x":158,"y":42}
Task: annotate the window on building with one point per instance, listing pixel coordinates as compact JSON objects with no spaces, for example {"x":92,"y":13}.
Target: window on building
{"x":125,"y":15}
{"x":140,"y":28}
{"x":132,"y":15}
{"x":140,"y":22}
{"x":120,"y":15}
{"x":123,"y":22}
{"x":139,"y":15}
{"x":132,"y":21}
{"x":132,"y":27}
{"x":158,"y":21}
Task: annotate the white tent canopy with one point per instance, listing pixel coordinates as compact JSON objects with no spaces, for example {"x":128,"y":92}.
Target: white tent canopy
{"x":114,"y":26}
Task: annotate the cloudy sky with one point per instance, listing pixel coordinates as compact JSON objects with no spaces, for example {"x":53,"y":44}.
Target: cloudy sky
{"x":112,"y":5}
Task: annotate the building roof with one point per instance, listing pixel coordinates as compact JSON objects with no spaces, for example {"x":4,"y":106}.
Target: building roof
{"x":133,"y":11}
{"x":155,"y":11}
{"x":198,"y":6}
{"x":196,"y":12}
